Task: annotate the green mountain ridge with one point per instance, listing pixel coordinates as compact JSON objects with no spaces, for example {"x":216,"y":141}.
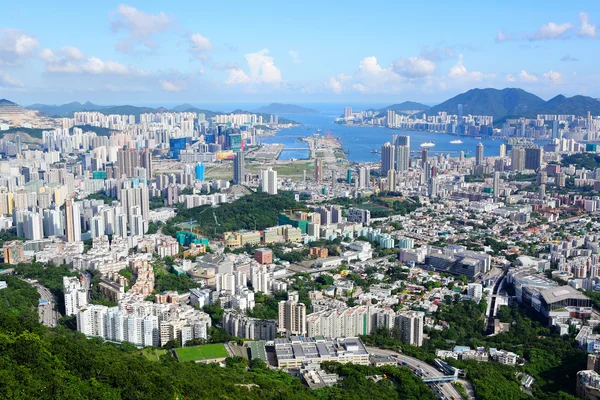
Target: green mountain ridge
{"x":405,"y":106}
{"x":498,"y":103}
{"x":279,"y":108}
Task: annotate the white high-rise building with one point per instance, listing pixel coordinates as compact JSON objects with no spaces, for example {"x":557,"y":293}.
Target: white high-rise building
{"x":269,"y":181}
{"x":292,"y":316}
{"x":91,"y":320}
{"x":32,"y":225}
{"x":76,"y":295}
{"x":410,"y":324}
{"x":260,"y":278}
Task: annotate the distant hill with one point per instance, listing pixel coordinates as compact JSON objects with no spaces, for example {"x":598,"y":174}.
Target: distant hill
{"x":499,"y":103}
{"x":577,"y":105}
{"x":66,"y":109}
{"x":405,"y":107}
{"x":279,"y":108}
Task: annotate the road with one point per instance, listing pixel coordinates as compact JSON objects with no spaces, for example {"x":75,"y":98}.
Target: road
{"x":47,"y":307}
{"x":429,"y":371}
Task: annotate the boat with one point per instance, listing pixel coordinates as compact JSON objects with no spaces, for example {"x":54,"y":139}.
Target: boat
{"x":375,"y":151}
{"x":478,"y":137}
{"x":456,"y":141}
{"x":318,"y":130}
{"x":427,"y":144}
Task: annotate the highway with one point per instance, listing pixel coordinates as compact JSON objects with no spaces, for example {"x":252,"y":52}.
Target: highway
{"x":429,"y":371}
{"x":47,"y":307}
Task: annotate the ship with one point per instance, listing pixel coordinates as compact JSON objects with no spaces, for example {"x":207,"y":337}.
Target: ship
{"x":456,"y":141}
{"x":375,"y":151}
{"x":427,"y":144}
{"x":478,"y":137}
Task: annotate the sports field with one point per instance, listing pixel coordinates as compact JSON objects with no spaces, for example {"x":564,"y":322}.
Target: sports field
{"x":205,"y":352}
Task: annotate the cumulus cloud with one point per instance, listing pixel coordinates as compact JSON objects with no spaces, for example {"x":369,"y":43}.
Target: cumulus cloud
{"x":459,"y":71}
{"x":70,"y":59}
{"x":524,"y":76}
{"x":15,"y":45}
{"x":553,"y":76}
{"x":510,"y":78}
{"x":551,"y":30}
{"x":261,"y":70}
{"x":586,"y":29}
{"x":414,"y":67}
{"x":569,"y":58}
{"x":8,"y":81}
{"x":139,"y":25}
{"x":336,"y":84}
{"x":295,"y":56}
{"x":438,"y":53}
{"x":199,"y":45}
{"x":173,"y":86}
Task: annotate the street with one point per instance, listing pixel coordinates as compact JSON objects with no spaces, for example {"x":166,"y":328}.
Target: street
{"x":46,"y":307}
{"x":429,"y":371}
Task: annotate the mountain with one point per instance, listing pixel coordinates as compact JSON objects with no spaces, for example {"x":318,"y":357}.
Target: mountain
{"x":66,"y":109}
{"x":577,"y":105}
{"x":407,"y":107}
{"x":499,"y":103}
{"x":279,"y":108}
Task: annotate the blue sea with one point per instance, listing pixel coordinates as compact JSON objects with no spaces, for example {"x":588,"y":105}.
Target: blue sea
{"x":360,"y":141}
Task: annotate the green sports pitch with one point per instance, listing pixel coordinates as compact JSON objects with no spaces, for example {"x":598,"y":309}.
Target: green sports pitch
{"x":198,"y":353}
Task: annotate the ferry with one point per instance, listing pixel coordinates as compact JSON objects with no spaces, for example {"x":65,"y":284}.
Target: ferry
{"x":427,"y":144}
{"x":478,"y":137}
{"x":456,"y":141}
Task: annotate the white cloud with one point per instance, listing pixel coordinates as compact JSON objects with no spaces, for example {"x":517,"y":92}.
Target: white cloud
{"x":73,"y":53}
{"x":261,"y":70}
{"x":502,"y":37}
{"x":526,"y":77}
{"x":173,"y":86}
{"x":553,"y":76}
{"x":586,"y":29}
{"x":337,"y":83}
{"x":510,"y":78}
{"x":94,"y":65}
{"x":459,"y":71}
{"x":8,"y":81}
{"x":237,"y":76}
{"x":15,"y":45}
{"x":139,"y":25}
{"x":551,"y":30}
{"x":199,"y":44}
{"x":70,"y":59}
{"x":295,"y":56}
{"x":414,"y":67}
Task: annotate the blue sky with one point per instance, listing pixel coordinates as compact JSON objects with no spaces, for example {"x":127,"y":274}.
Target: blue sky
{"x":311,"y":51}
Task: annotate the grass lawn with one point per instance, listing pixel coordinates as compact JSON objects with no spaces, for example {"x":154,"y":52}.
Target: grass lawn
{"x":372,"y":207}
{"x":196,"y":353}
{"x":154,"y":354}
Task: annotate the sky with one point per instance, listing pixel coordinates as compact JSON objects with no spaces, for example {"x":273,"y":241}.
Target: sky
{"x":157,"y":52}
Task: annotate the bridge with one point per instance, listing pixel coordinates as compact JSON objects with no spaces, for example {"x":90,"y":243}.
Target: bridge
{"x":441,"y":379}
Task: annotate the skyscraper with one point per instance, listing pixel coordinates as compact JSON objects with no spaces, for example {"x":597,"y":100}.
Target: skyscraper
{"x":460,"y":113}
{"x":388,"y":157}
{"x":424,"y":155}
{"x":391,"y":119}
{"x":502,"y":150}
{"x":292,"y":316}
{"x":411,"y":326}
{"x":146,"y":162}
{"x":533,"y":158}
{"x":239,"y":168}
{"x":128,"y":160}
{"x":318,"y":170}
{"x":555,"y":129}
{"x":269,"y":181}
{"x":391,"y":178}
{"x":402,"y":144}
{"x":347,"y":112}
{"x":517,"y":159}
{"x":72,"y":221}
{"x":496,"y":188}
{"x":479,"y":154}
